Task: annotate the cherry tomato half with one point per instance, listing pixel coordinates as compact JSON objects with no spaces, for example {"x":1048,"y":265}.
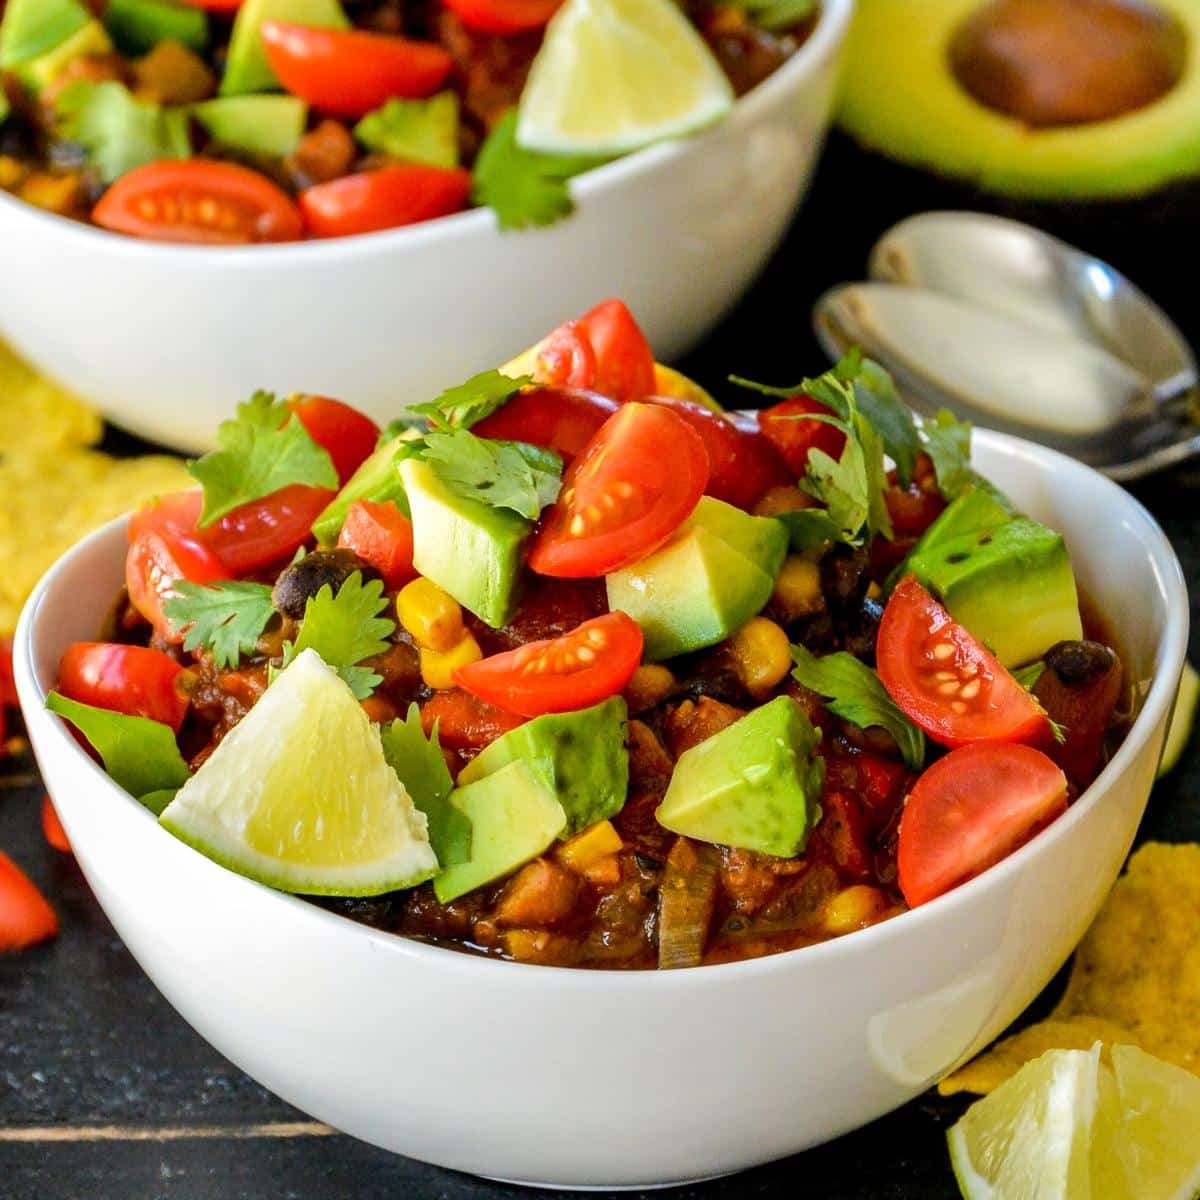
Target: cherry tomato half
{"x":565,"y":358}
{"x":199,"y":201}
{"x":383,"y":199}
{"x":579,"y":669}
{"x":348,"y":435}
{"x":971,"y":809}
{"x":560,"y":419}
{"x":784,"y":426}
{"x":155,"y":563}
{"x":134,"y":680}
{"x":944,"y":679}
{"x":634,"y":484}
{"x":382,"y":536}
{"x":503,"y":16}
{"x":604,"y":350}
{"x":25,"y":917}
{"x":350,"y":72}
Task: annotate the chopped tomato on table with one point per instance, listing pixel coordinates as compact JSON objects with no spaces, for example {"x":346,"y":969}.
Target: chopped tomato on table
{"x":25,"y":916}
{"x":134,"y":680}
{"x":385,"y":198}
{"x":382,"y":536}
{"x":503,"y":17}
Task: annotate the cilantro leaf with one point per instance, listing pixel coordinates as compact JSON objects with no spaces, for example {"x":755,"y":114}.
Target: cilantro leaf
{"x":809,"y":527}
{"x":854,"y":692}
{"x":421,"y":768}
{"x":420,"y":131}
{"x":468,"y":403}
{"x":1028,"y":676}
{"x":948,"y":443}
{"x":118,"y":132}
{"x":889,"y":416}
{"x":226,"y":619}
{"x":263,"y":449}
{"x":139,"y":755}
{"x":841,"y":486}
{"x":775,"y":16}
{"x":346,"y":629}
{"x":501,"y":474}
{"x":524,"y":187}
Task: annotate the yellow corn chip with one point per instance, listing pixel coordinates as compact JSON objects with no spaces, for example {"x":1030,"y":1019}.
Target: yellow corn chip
{"x":36,"y":414}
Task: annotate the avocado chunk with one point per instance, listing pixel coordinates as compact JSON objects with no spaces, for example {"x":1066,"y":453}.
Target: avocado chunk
{"x":377,"y":479}
{"x":514,"y":818}
{"x":42,"y":71}
{"x":258,"y":125}
{"x":246,"y":67}
{"x":972,"y":511}
{"x":137,"y":26}
{"x":763,"y":540}
{"x":692,"y":593}
{"x":1012,"y":586}
{"x":581,"y":757}
{"x":32,"y":28}
{"x":755,"y":785}
{"x":468,"y":548}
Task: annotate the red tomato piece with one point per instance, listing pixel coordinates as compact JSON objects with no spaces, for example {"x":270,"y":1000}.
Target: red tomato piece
{"x":218,"y":6}
{"x":624,"y":360}
{"x":970,"y":810}
{"x":632,"y":487}
{"x":134,"y":680}
{"x":503,"y":16}
{"x":348,"y":435}
{"x":565,"y":358}
{"x":383,"y":199}
{"x":944,"y":679}
{"x":465,"y":723}
{"x":843,"y":833}
{"x":25,"y":917}
{"x":155,"y":563}
{"x":382,"y":536}
{"x":742,"y":466}
{"x":784,"y":426}
{"x":350,"y":72}
{"x":199,"y":201}
{"x":914,"y":508}
{"x":52,"y":828}
{"x":581,"y":668}
{"x":560,"y":419}
{"x":8,"y":687}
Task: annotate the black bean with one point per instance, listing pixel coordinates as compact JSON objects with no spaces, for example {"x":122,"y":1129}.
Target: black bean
{"x":1077,"y":663}
{"x":304,"y":579}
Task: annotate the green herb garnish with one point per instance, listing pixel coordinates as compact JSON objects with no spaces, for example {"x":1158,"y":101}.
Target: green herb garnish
{"x":226,"y":619}
{"x":512,"y":475}
{"x":470,"y":402}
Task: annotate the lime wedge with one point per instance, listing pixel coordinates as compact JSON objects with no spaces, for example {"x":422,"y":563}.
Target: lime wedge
{"x":614,"y":75}
{"x":1182,"y":719}
{"x":300,"y":797}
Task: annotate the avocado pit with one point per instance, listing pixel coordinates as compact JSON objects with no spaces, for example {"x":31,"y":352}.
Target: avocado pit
{"x":1068,"y":62}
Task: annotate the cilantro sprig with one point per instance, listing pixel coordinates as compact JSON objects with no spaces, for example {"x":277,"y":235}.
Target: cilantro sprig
{"x":469,"y":403}
{"x":264,"y":448}
{"x":226,"y":619}
{"x":512,"y":475}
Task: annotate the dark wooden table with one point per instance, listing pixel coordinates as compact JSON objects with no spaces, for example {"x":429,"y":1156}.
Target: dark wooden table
{"x":105,"y":1094}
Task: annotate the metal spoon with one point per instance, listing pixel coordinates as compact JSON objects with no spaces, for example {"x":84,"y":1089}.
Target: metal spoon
{"x":1019,"y":331}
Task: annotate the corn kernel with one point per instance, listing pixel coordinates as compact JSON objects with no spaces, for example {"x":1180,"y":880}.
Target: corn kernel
{"x":438,"y":666}
{"x":12,"y":171}
{"x":854,"y":908}
{"x":798,"y":588}
{"x":650,"y":684}
{"x":431,"y":616}
{"x":760,"y":655}
{"x":587,"y":848}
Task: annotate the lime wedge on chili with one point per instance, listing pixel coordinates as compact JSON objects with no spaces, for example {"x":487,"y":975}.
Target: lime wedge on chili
{"x":299,"y":795}
{"x":615,"y":75}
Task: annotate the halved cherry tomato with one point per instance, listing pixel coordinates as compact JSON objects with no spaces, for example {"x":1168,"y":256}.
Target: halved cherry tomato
{"x":565,"y":358}
{"x":347,"y":434}
{"x":198,"y":200}
{"x":581,"y":668}
{"x":742,"y":465}
{"x":785,"y":428}
{"x":464,"y":722}
{"x":383,"y":199}
{"x":560,"y":419}
{"x":350,"y":72}
{"x":503,"y":16}
{"x":634,"y":484}
{"x":382,"y":536}
{"x":971,"y":809}
{"x":25,"y":917}
{"x":604,"y":350}
{"x":155,"y":563}
{"x":134,"y":680}
{"x":945,"y":680}
{"x":52,"y":828}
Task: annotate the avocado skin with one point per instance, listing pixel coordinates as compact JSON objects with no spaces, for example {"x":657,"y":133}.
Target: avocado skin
{"x":580,"y":755}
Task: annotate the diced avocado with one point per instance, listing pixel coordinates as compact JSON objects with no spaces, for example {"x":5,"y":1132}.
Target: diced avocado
{"x":377,"y":479}
{"x":40,"y":72}
{"x":1012,"y":586}
{"x":469,"y":549}
{"x":514,"y":818}
{"x":974,"y":511}
{"x":581,"y":757}
{"x":755,"y":785}
{"x":692,"y":593}
{"x":246,"y":67}
{"x":266,"y":125}
{"x":763,"y":540}
{"x":33,"y":28}
{"x":137,"y":26}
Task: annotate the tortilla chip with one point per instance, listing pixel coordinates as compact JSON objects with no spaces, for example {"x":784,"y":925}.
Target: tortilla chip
{"x":38,"y":415}
{"x":1135,"y":979}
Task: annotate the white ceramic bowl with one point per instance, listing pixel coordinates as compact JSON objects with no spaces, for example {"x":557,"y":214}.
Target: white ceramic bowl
{"x":166,"y":339}
{"x":586,"y":1078}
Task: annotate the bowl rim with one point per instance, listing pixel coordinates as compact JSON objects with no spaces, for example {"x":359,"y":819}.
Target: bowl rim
{"x":1170,"y":653}
{"x":832,"y":24}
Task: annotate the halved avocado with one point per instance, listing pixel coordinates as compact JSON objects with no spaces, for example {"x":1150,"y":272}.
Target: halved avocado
{"x":1039,"y":99}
